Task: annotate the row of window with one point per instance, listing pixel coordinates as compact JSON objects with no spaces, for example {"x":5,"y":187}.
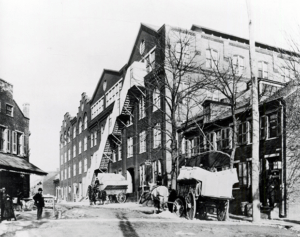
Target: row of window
{"x":238,"y":62}
{"x":12,"y":141}
{"x":67,"y":135}
{"x":222,"y":138}
{"x":67,"y":156}
{"x":66,"y":173}
{"x":244,"y":170}
{"x":143,"y":141}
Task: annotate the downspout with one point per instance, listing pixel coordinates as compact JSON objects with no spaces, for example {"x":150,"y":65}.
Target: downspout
{"x":283,"y":204}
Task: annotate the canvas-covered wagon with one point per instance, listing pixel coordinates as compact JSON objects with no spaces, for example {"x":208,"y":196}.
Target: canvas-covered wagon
{"x":114,"y":185}
{"x":200,"y":191}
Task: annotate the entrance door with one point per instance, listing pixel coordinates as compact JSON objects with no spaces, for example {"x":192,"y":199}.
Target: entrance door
{"x":130,"y":178}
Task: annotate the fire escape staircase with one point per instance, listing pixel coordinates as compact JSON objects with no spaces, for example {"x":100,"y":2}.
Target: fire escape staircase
{"x":122,"y":106}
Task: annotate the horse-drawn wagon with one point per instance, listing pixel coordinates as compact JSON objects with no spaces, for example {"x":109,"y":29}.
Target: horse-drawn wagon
{"x":110,"y":185}
{"x":201,"y":191}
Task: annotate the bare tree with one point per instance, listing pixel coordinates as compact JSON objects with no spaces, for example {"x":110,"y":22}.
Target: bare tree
{"x":174,"y":87}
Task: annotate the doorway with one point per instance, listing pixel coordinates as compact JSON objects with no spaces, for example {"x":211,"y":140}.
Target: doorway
{"x":130,"y":178}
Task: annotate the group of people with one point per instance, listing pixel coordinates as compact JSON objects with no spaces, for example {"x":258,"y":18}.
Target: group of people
{"x":7,"y":208}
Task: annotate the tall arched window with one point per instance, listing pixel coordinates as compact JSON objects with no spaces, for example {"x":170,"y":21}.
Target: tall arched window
{"x":85,"y":122}
{"x":65,"y":138}
{"x":74,"y":131}
{"x":79,"y":126}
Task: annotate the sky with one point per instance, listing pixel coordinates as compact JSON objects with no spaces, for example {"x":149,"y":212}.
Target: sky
{"x":54,"y":50}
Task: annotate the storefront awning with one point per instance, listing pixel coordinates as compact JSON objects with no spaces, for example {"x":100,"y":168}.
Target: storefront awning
{"x":15,"y":164}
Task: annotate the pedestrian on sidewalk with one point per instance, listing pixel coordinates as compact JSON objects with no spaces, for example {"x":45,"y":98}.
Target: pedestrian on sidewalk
{"x":8,"y":209}
{"x":39,"y":202}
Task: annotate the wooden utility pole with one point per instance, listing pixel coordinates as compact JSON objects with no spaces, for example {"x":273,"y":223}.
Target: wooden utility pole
{"x":255,"y":121}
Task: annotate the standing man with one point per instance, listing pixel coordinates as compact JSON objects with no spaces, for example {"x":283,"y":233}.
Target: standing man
{"x":2,"y":200}
{"x":39,"y":202}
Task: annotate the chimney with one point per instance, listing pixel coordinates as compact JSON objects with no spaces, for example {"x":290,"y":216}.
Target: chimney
{"x":26,"y":110}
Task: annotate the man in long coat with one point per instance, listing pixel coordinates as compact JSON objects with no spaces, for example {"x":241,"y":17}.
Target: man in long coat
{"x":39,"y":202}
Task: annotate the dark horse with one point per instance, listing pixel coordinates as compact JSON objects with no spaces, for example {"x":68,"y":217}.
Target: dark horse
{"x":96,"y":195}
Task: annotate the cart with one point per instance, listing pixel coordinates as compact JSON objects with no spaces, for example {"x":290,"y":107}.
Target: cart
{"x":114,"y":185}
{"x":201,"y":191}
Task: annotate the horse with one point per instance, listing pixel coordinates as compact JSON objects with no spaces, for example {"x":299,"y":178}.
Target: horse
{"x":160,"y":196}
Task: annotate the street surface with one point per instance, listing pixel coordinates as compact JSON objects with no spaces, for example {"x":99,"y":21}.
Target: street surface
{"x":129,"y":221}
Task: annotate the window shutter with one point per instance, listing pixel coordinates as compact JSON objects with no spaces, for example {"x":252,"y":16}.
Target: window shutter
{"x":8,"y":140}
{"x":5,"y":140}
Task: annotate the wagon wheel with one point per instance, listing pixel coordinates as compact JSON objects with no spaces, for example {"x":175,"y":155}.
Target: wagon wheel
{"x":221,"y":211}
{"x":121,"y":197}
{"x":178,"y":207}
{"x":190,"y":206}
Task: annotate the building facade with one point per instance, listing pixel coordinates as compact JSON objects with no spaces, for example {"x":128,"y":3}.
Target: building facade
{"x":15,"y":167}
{"x":128,"y":115}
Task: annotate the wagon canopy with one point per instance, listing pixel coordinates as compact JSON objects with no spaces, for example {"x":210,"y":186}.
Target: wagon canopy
{"x":214,"y":184}
{"x":112,"y":181}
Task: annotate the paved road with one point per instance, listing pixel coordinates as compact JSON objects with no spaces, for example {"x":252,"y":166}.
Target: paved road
{"x":99,"y":221}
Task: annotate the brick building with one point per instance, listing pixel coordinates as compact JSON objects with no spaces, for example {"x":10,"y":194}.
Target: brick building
{"x":126,"y":118}
{"x":15,"y":167}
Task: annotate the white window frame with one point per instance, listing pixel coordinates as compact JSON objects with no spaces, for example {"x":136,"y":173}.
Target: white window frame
{"x":238,"y":63}
{"x":119,"y":152}
{"x":69,"y":154}
{"x":4,"y":138}
{"x":142,"y":175}
{"x":79,"y":167}
{"x":74,"y":132}
{"x":212,"y":58}
{"x":85,"y":122}
{"x":263,"y":69}
{"x":79,"y":149}
{"x":142,"y":112}
{"x":157,"y":135}
{"x":80,"y":126}
{"x":92,"y":139}
{"x":74,"y":151}
{"x":74,"y":169}
{"x":69,"y":172}
{"x":11,"y":114}
{"x":95,"y":137}
{"x":129,"y":147}
{"x":142,"y":140}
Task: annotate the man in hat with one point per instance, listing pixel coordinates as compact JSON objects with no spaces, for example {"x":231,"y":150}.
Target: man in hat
{"x":39,"y":202}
